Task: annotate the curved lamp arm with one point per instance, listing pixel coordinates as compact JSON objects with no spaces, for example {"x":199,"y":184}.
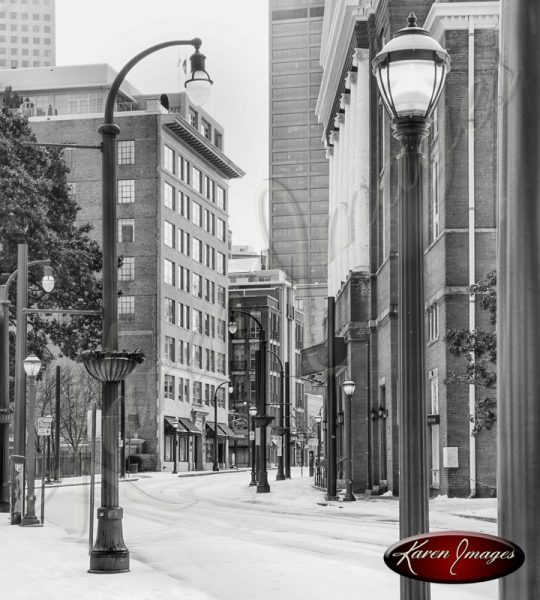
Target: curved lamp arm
{"x":5,"y":287}
{"x":243,"y":312}
{"x":115,"y":87}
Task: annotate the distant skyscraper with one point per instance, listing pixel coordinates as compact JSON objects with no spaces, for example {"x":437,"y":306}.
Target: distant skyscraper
{"x":298,"y":166}
{"x":27,"y":33}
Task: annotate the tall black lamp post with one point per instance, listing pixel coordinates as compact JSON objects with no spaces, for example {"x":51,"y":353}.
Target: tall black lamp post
{"x":176,"y":425}
{"x":252,"y":413}
{"x":109,"y":554}
{"x":32,"y":365}
{"x":410,"y":71}
{"x":261,"y":420}
{"x":47,"y":283}
{"x":348,"y":387}
{"x":215,"y":467}
{"x":280,"y":475}
{"x":318,"y":420}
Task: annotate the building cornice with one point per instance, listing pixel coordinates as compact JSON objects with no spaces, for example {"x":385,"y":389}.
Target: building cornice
{"x":206,"y":150}
{"x":444,"y":16}
{"x":334,"y":48}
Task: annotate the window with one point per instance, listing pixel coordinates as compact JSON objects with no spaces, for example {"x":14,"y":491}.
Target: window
{"x":186,"y":390}
{"x":193,"y":117}
{"x":197,"y":250}
{"x":221,"y":296}
{"x":208,"y":188}
{"x":207,"y":290}
{"x":184,"y":242}
{"x":196,"y":213}
{"x":206,"y":129}
{"x":252,"y":359}
{"x":220,"y":197}
{"x":126,"y":152}
{"x":207,"y":259}
{"x":126,"y":230}
{"x":184,"y":205}
{"x":169,"y":237}
{"x":126,"y":191}
{"x":197,"y":321}
{"x":170,"y":348}
{"x":197,"y":356}
{"x":207,"y":352}
{"x":197,"y":392}
{"x":221,"y":330}
{"x":184,"y":173}
{"x":126,"y":307}
{"x":206,"y":324}
{"x":170,"y":310}
{"x":221,"y":266}
{"x":168,"y":159}
{"x":197,"y":285}
{"x":183,"y":352}
{"x":433,"y":322}
{"x":196,"y":179}
{"x":220,"y":362}
{"x":168,"y":196}
{"x":218,"y":139}
{"x":253,"y":326}
{"x":185,"y":314}
{"x":168,"y":386}
{"x":434,"y":228}
{"x":220,"y":230}
{"x":212,"y":361}
{"x":184,"y":279}
{"x":127,"y":271}
{"x":168,"y":276}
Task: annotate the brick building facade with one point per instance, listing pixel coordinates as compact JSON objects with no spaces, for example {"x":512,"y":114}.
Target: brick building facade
{"x":172,"y":234}
{"x":459,"y":232}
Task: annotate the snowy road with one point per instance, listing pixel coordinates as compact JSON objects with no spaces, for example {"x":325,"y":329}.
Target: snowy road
{"x":218,"y":535}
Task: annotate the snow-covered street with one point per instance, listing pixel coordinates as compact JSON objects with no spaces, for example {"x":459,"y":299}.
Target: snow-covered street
{"x":213,"y":536}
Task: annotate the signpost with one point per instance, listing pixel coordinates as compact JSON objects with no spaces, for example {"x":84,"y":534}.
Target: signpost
{"x":44,"y":426}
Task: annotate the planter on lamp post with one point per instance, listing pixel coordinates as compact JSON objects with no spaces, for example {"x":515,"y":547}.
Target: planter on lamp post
{"x":411,"y":70}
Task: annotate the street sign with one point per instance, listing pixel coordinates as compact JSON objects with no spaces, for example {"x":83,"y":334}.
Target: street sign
{"x":44,"y":425}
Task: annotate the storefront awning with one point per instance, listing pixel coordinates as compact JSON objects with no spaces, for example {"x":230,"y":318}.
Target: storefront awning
{"x":226,"y":430}
{"x":185,"y":426}
{"x":223,"y":430}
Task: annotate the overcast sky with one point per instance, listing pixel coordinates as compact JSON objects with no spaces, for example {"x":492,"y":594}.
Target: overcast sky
{"x":235,"y":41}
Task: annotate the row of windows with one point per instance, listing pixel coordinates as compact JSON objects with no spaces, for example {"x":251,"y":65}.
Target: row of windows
{"x":178,"y":313}
{"x":24,"y":16}
{"x":192,"y":210}
{"x":202,"y":287}
{"x":197,"y":250}
{"x":186,"y":353}
{"x":181,"y":387}
{"x":24,"y":63}
{"x":14,"y":39}
{"x":24,"y":51}
{"x":191,"y":175}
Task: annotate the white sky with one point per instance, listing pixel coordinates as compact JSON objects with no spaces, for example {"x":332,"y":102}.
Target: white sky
{"x":235,"y":41}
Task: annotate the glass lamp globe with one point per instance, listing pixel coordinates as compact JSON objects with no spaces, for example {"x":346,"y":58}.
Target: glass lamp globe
{"x":349,"y":387}
{"x":198,"y":86}
{"x":411,"y":70}
{"x":32,"y":365}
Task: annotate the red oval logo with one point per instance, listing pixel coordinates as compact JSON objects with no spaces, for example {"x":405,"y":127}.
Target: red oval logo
{"x":454,"y":557}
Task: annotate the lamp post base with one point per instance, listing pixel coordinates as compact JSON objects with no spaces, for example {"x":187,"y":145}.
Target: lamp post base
{"x":29,"y":521}
{"x":109,"y":561}
{"x":253,"y":480}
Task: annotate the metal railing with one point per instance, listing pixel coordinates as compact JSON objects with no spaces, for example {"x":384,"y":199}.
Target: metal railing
{"x":320,"y":477}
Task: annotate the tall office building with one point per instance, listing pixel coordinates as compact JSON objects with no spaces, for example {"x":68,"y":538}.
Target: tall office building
{"x":298,"y":166}
{"x":27,"y":33}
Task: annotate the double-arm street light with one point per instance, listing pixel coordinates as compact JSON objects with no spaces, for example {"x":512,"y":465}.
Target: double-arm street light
{"x":411,"y":70}
{"x":109,"y":554}
{"x":215,"y":467}
{"x":261,"y":420}
{"x":47,"y":282}
{"x":32,"y":365}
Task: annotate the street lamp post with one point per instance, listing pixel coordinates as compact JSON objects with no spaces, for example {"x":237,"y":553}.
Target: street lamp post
{"x":410,"y":71}
{"x":215,"y":467}
{"x":252,"y":413}
{"x":32,"y":365}
{"x":280,"y":476}
{"x":47,"y":283}
{"x":176,"y":424}
{"x":348,"y":387}
{"x":287,"y":423}
{"x":109,"y":554}
{"x":318,"y":420}
{"x":262,"y":420}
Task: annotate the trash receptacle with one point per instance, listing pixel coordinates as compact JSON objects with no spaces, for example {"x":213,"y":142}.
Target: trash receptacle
{"x":133,"y":468}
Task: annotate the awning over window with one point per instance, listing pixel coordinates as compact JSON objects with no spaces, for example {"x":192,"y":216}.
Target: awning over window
{"x":185,"y":426}
{"x":226,"y":430}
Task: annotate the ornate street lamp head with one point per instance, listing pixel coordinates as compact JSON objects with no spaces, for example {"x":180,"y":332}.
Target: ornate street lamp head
{"x":47,"y":283}
{"x":32,"y":365}
{"x":410,"y":71}
{"x":198,"y":86}
{"x":233,"y":326}
{"x":349,"y":387}
{"x":252,"y":410}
